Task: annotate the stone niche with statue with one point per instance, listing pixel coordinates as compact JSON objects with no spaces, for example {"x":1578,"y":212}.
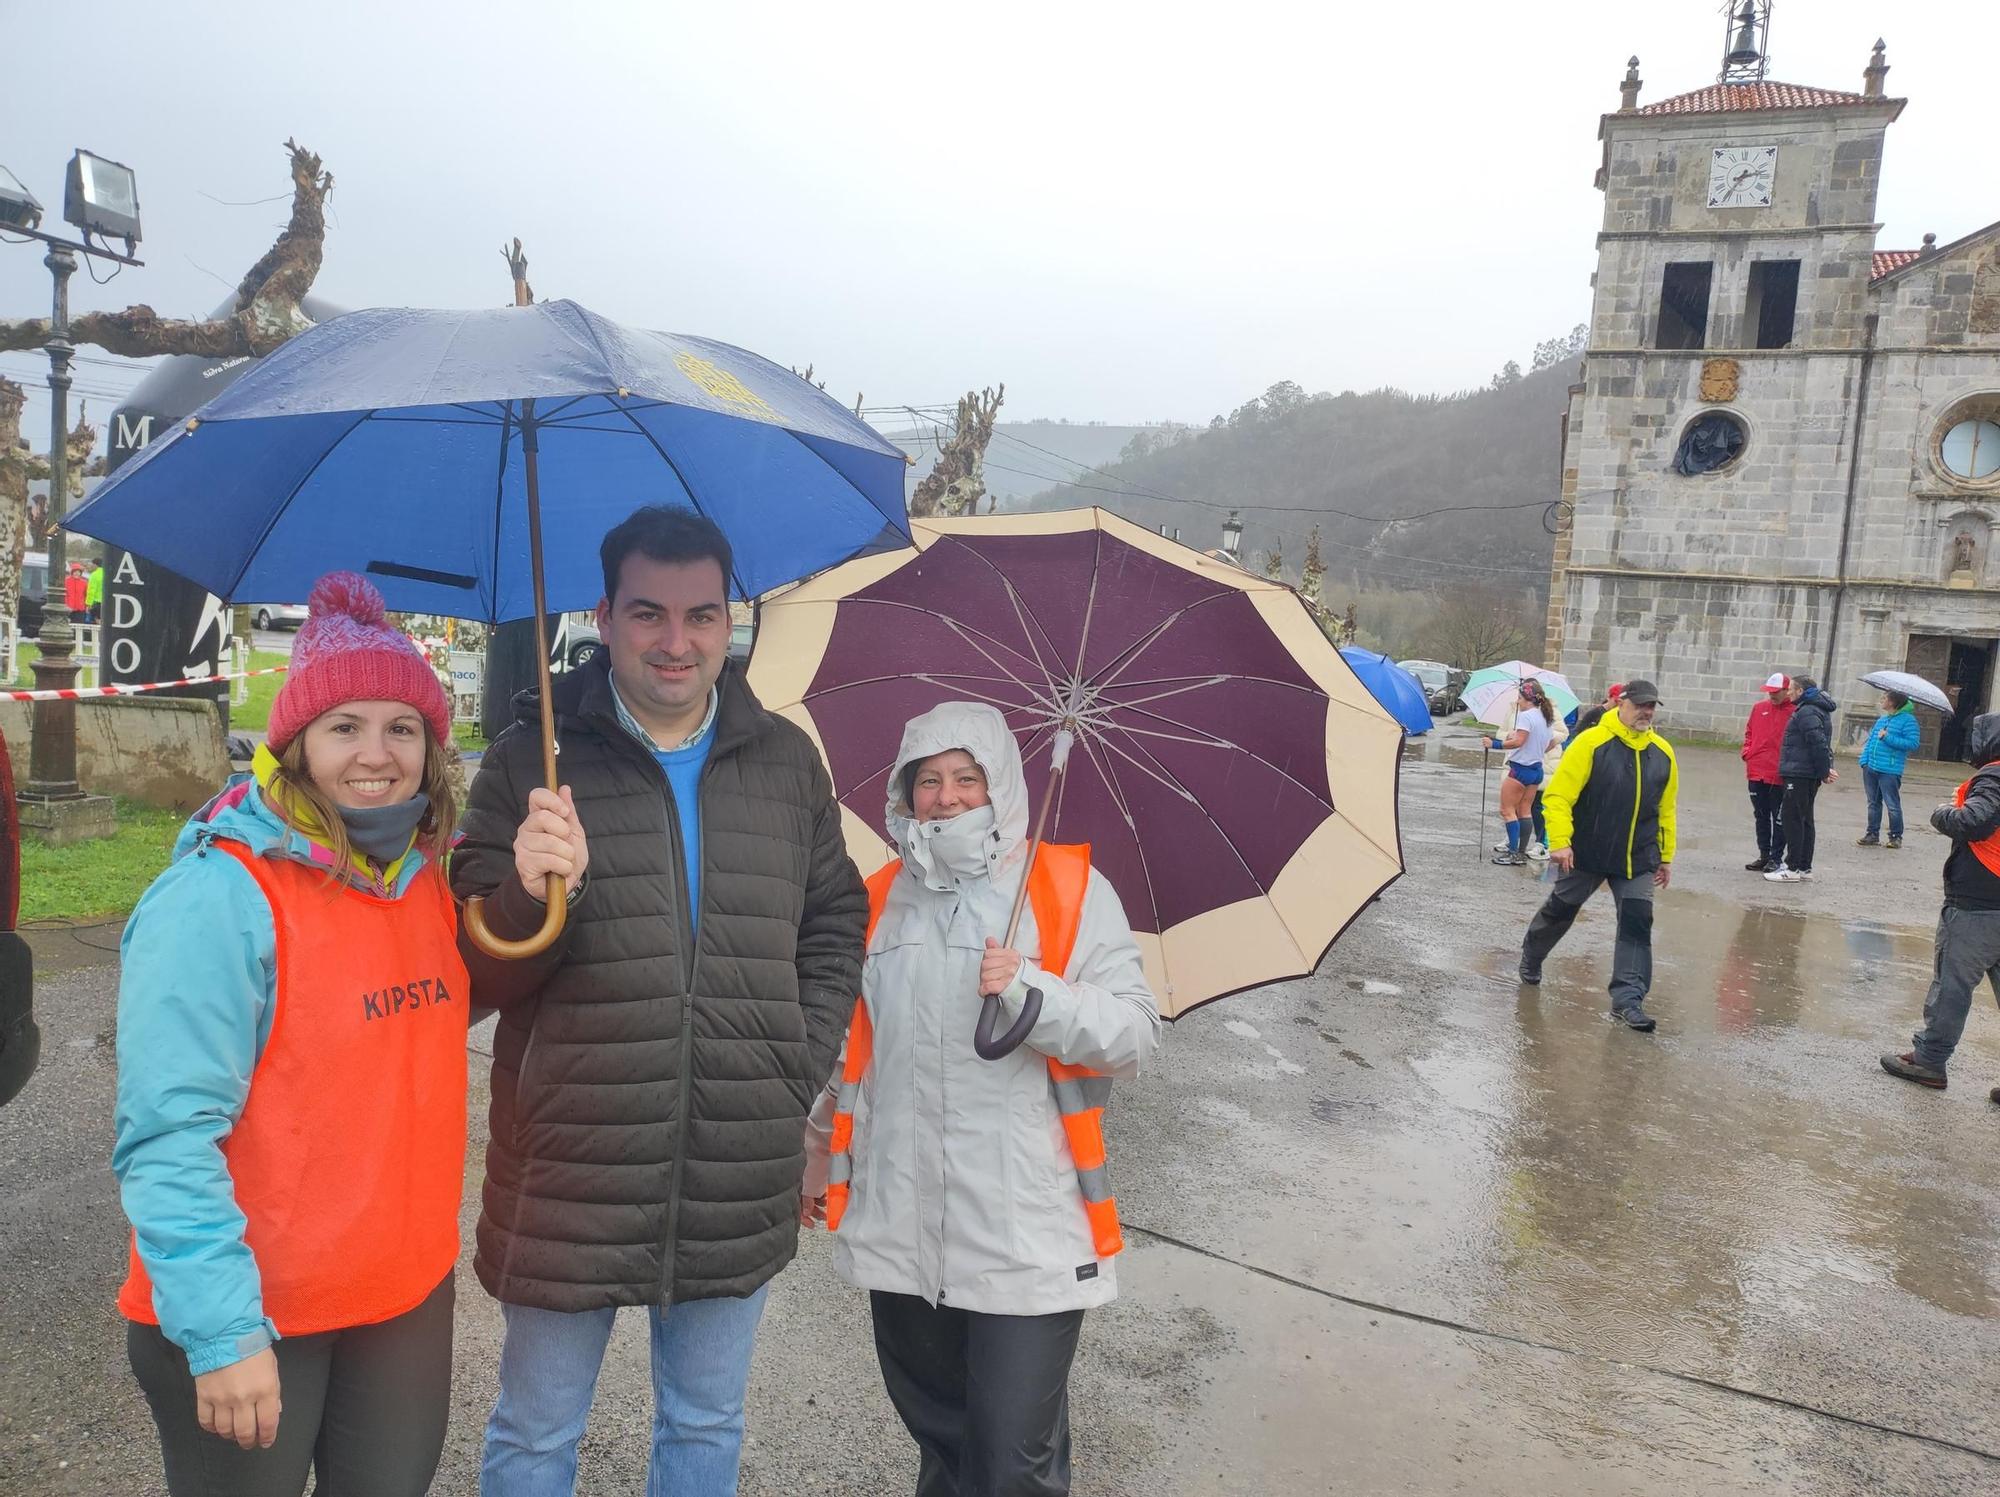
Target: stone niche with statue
{"x":1967,"y":537}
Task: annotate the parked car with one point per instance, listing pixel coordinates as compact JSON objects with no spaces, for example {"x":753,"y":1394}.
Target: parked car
{"x":20,"y":1040}
{"x":1441,"y":683}
{"x":576,"y":641}
{"x":269,"y":616}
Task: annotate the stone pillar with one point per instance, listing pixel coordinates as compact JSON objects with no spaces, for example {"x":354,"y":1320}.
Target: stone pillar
{"x":1873,"y":75}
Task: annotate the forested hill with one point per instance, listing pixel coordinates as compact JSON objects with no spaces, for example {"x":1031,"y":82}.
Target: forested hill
{"x":1288,"y":460}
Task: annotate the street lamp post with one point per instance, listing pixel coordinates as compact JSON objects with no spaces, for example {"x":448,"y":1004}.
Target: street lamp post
{"x":52,"y":752}
{"x":101,"y":199}
{"x":1232,"y":537}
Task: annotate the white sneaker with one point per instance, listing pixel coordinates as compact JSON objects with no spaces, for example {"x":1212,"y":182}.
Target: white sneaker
{"x":1785,"y":876}
{"x":1538,"y":852}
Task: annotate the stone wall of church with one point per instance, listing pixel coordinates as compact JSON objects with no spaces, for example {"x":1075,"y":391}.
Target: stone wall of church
{"x":1708,"y":583}
{"x":1708,"y":645}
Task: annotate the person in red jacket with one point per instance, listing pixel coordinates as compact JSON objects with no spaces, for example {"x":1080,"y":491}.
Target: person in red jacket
{"x":1762,"y":736}
{"x":76,"y":589}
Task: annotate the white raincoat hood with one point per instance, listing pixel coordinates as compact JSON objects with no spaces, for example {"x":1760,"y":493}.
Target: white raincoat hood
{"x":982,"y":732}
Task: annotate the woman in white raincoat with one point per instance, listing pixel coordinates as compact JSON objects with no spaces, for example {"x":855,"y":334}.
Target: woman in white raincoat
{"x":964,"y":1217}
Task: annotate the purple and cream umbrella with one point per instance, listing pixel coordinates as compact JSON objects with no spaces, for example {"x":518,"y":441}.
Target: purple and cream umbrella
{"x":1233,"y":778}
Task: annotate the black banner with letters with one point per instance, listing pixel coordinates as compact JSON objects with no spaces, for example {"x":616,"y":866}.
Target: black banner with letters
{"x":157,"y":625}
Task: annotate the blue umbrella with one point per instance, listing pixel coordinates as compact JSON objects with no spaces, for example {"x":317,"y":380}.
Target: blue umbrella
{"x":395,"y":442}
{"x":1395,"y":688}
{"x":412,"y":446}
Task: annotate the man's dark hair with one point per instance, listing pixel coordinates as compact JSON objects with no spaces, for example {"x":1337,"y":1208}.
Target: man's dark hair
{"x":1897,"y":700}
{"x":660,"y":533}
{"x":1805,"y":684}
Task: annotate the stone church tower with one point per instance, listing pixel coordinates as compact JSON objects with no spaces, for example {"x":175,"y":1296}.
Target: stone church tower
{"x":1784,"y":452}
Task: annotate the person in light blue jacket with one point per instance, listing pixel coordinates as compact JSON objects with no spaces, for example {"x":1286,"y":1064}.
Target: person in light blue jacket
{"x":290,"y":1122}
{"x":1882,"y":759}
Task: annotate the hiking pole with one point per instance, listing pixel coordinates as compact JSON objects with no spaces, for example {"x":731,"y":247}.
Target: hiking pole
{"x":1485,"y":769}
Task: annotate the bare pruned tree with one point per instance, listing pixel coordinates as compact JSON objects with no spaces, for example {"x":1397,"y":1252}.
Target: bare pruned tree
{"x":957,"y":480}
{"x":267,"y":309}
{"x":1480,"y":626}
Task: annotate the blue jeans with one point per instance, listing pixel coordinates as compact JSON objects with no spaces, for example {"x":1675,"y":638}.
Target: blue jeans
{"x":548,"y":1371}
{"x":1883,"y":790}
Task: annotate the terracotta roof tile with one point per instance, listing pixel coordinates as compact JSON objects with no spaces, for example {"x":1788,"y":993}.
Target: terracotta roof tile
{"x":1719,"y":98}
{"x":1888,"y":260}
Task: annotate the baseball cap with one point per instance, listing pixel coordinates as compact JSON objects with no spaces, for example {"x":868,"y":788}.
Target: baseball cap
{"x":1615,"y":690}
{"x":1642,"y":693}
{"x":1777,"y":681}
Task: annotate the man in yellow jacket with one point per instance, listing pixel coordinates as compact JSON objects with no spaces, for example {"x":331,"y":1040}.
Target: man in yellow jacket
{"x":1610,"y":812}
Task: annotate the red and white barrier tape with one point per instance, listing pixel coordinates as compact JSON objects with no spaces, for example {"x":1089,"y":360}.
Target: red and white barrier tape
{"x":85,"y":693}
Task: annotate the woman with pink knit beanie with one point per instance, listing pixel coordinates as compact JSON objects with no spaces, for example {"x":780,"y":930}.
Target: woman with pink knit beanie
{"x":292,"y":1015}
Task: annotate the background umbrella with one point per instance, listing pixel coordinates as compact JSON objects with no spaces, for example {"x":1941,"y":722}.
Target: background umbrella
{"x":1235,"y":781}
{"x":1489,"y":693}
{"x":1916,"y":688}
{"x":413,"y":446}
{"x":1395,"y":688}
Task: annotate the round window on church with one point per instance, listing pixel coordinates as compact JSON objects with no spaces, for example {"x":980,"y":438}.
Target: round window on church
{"x":1712,"y":441}
{"x":1971,"y":449}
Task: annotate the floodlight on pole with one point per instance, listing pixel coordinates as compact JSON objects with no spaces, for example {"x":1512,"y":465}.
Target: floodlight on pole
{"x":19,"y":208}
{"x":102,"y":197}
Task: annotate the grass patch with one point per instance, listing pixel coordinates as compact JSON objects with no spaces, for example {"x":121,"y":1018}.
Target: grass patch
{"x":25,"y":656}
{"x":466,"y":736}
{"x":93,"y":879}
{"x":254,"y":716}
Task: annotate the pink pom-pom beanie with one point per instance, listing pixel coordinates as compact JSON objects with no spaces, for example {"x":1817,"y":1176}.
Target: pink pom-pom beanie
{"x":348,"y":652}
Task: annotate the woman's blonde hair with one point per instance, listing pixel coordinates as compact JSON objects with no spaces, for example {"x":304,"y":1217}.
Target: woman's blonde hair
{"x":442,"y":782}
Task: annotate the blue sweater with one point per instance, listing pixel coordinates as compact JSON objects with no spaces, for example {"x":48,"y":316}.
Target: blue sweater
{"x":1888,"y":755}
{"x":682,"y":767}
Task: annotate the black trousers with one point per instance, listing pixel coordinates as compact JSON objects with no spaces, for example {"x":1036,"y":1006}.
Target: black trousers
{"x":1767,"y":804}
{"x":364,"y":1411}
{"x":1799,"y":797}
{"x":986,"y":1397}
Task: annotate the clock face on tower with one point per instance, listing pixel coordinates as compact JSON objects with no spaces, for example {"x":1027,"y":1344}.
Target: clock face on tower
{"x":1741,"y":176}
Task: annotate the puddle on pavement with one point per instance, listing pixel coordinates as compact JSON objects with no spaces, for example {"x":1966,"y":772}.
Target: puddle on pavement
{"x":1742,"y":1195}
{"x":1662,"y":1207}
{"x":1701,"y":1199}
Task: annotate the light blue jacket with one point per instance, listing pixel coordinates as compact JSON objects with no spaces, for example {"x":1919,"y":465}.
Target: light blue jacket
{"x":1888,"y":755}
{"x":195,"y":998}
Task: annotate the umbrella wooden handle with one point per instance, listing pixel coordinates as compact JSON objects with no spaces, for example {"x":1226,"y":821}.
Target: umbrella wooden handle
{"x":556,"y":891}
{"x":983,"y":1042}
{"x":514,"y":951}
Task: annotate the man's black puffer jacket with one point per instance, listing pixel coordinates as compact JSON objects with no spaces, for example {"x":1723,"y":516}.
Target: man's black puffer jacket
{"x":1806,"y":751}
{"x":649,"y":1094}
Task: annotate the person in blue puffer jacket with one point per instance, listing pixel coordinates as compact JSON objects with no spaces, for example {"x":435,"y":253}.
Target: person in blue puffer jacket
{"x":1882,"y":759}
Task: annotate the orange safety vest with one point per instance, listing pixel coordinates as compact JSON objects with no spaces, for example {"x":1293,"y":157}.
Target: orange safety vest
{"x":1056,"y":886}
{"x":1987,"y":848}
{"x":348,"y":1160}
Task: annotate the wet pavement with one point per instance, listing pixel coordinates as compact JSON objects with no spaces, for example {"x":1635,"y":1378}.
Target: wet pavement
{"x":1402,"y":1227}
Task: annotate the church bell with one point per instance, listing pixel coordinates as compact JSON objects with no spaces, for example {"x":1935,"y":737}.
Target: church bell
{"x":1743,"y":51}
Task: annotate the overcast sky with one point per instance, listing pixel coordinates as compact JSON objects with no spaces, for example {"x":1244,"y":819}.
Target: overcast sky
{"x":1126,"y":212}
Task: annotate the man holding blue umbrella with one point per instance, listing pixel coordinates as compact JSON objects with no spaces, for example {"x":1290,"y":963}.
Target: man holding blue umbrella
{"x":653,"y":1067}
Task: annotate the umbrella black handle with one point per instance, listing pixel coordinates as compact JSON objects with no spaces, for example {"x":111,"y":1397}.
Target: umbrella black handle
{"x":989,"y":1018}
